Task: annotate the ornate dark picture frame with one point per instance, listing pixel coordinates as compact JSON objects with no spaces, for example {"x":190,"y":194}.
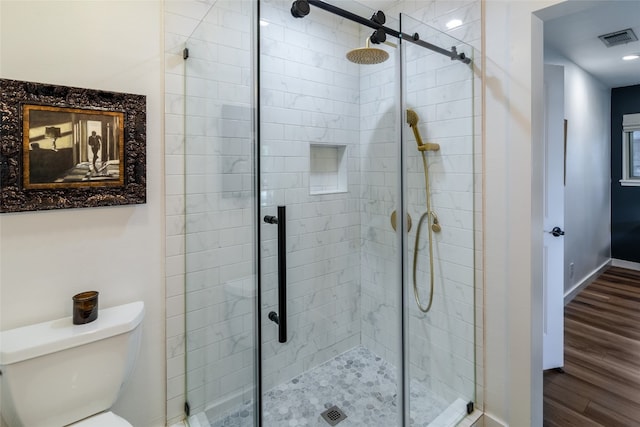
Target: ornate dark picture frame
{"x":65,"y":147}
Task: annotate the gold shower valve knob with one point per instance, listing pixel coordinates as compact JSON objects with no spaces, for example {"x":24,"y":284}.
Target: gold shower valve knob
{"x":394,"y":221}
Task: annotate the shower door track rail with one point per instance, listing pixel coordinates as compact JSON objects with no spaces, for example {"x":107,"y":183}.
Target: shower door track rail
{"x":413,"y":38}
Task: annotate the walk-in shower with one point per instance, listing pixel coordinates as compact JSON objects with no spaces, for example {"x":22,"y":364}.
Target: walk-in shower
{"x":299,"y":301}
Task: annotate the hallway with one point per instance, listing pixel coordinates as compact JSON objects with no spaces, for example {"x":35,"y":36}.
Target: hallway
{"x":601,"y":383}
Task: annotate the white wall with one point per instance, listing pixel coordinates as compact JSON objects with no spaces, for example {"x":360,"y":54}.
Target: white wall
{"x":49,"y":256}
{"x":587,"y":191}
{"x":513,"y":71}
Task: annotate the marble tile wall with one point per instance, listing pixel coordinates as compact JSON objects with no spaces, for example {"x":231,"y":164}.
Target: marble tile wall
{"x":380,"y":150}
{"x":442,"y":341}
{"x":309,"y":95}
{"x":441,"y":344}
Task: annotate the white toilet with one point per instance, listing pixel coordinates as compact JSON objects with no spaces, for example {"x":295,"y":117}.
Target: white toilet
{"x":58,"y":374}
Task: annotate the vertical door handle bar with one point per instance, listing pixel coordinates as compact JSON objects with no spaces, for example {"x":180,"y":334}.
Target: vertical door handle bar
{"x":280,"y":318}
{"x":282,"y":273}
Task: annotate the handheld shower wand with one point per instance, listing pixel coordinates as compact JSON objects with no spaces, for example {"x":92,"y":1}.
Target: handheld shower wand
{"x":412,"y":120}
{"x":429,"y":215}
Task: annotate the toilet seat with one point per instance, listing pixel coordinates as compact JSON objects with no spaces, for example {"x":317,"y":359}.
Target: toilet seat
{"x":103,"y":419}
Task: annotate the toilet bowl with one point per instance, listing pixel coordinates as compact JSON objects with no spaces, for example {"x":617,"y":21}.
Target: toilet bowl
{"x":59,"y":374}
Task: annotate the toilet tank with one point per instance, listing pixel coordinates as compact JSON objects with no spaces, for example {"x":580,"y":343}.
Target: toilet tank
{"x":55,"y":373}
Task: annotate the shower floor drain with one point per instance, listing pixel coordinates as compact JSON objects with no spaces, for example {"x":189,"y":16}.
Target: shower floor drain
{"x":333,"y":415}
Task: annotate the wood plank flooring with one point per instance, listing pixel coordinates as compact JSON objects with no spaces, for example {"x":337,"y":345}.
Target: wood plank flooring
{"x":600,"y":385}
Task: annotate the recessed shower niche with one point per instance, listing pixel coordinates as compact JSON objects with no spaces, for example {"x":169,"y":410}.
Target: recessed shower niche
{"x":327,"y":169}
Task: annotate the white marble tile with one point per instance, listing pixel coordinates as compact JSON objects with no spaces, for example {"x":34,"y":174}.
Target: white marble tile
{"x":178,"y":24}
{"x":360,"y":383}
{"x":174,"y":266}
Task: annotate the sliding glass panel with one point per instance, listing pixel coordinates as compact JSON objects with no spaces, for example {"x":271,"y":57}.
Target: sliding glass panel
{"x":220,"y":217}
{"x":329,"y":155}
{"x":439,"y":267}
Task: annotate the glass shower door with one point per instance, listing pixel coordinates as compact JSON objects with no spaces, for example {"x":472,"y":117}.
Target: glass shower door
{"x":220,"y":217}
{"x":329,"y":156}
{"x":439,"y":194}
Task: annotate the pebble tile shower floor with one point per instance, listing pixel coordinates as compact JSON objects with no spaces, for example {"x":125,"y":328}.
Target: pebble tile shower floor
{"x":360,"y":383}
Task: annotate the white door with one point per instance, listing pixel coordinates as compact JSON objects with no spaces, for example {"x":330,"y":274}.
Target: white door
{"x":553,"y":245}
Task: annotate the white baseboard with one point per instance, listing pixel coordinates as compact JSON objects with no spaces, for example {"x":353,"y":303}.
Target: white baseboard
{"x":489,"y":421}
{"x":625,"y":264}
{"x":586,"y":282}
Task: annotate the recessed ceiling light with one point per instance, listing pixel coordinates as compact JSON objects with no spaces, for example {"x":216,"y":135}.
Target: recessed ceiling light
{"x":263,"y":23}
{"x":630,"y":57}
{"x":453,"y":24}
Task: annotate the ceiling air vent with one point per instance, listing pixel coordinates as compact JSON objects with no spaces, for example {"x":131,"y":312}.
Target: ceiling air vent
{"x":618,"y":37}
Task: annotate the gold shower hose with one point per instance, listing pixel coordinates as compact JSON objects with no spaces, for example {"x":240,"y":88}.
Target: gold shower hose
{"x":412,"y":119}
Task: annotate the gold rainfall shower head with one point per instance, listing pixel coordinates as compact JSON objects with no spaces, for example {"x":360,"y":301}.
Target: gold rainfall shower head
{"x":367,"y":55}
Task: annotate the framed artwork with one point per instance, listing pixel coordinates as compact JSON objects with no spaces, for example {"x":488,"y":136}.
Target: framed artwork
{"x":65,"y":147}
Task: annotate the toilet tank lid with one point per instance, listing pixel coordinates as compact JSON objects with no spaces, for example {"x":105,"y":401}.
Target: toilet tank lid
{"x":31,"y":341}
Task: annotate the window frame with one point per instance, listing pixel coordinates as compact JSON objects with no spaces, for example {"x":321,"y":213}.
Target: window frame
{"x":630,"y":124}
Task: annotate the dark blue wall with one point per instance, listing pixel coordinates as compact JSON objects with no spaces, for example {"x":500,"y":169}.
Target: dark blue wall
{"x":625,"y":201}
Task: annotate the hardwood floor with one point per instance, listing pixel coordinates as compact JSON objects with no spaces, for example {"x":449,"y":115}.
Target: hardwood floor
{"x":600,"y":385}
